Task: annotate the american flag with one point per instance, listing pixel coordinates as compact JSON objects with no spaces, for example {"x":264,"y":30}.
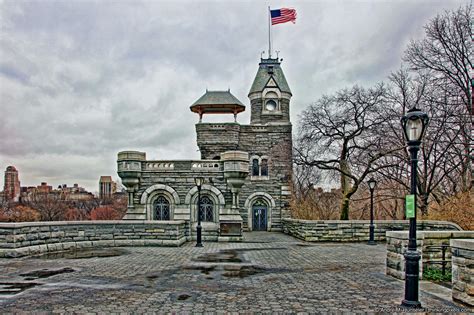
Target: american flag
{"x":283,"y":15}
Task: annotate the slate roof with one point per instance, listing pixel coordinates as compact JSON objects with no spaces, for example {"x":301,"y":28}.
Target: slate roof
{"x":263,"y":76}
{"x":218,"y":102}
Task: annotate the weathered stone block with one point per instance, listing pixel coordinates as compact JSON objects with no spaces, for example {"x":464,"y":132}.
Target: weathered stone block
{"x":84,"y":244}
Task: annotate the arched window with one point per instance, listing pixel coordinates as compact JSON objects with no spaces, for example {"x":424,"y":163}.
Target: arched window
{"x":206,"y":211}
{"x":255,"y":168}
{"x":162,"y":208}
{"x":271,"y":101}
{"x":264,"y":168}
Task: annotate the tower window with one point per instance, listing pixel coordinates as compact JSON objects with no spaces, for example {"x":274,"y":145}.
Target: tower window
{"x":259,"y":169}
{"x":270,"y":105}
{"x":264,"y":167}
{"x":255,"y":168}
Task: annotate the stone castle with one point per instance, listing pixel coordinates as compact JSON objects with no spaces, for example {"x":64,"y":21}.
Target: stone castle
{"x":247,"y":169}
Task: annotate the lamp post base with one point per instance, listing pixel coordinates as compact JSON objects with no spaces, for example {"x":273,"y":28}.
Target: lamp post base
{"x":412,"y":259}
{"x":371,"y":232}
{"x":199,"y":237}
{"x":412,"y":304}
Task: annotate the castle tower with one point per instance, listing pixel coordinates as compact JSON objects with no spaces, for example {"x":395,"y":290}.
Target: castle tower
{"x":214,"y":139}
{"x":11,"y":188}
{"x":270,"y":95}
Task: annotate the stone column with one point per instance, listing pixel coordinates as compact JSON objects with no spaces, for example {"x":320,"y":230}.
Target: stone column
{"x":129,"y":168}
{"x":236,"y":168}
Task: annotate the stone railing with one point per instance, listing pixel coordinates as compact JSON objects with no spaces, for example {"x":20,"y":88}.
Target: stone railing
{"x":31,"y":238}
{"x":426,"y":242}
{"x":159,"y":165}
{"x":463,"y":270}
{"x":353,"y":230}
{"x":208,"y":165}
{"x":182,"y":165}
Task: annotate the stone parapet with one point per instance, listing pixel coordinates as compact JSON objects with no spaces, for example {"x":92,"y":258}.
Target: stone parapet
{"x":463,"y":270}
{"x":353,"y":230}
{"x":23,"y":239}
{"x":427,"y":243}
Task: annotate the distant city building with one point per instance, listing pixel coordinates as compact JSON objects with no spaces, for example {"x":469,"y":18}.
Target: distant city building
{"x":107,"y":187}
{"x":74,"y":193}
{"x":44,"y":188}
{"x":74,"y":189}
{"x":63,"y":192}
{"x":11,"y":188}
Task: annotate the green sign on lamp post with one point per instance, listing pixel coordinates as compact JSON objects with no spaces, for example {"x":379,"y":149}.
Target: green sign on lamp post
{"x":410,"y":206}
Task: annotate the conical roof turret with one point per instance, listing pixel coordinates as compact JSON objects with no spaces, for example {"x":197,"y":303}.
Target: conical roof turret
{"x":269,"y":73}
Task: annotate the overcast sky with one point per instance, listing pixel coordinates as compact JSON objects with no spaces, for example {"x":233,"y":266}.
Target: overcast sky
{"x":83,"y":80}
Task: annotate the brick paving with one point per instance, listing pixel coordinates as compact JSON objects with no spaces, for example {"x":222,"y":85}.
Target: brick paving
{"x":267,"y":273}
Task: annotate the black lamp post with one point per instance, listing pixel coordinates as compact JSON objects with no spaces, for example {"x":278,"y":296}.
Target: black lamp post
{"x":372,"y":184}
{"x":199,"y":181}
{"x":414,"y":125}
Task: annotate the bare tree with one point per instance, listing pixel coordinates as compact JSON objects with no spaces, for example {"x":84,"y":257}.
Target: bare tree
{"x":342,"y":133}
{"x":49,"y":205}
{"x":446,"y":51}
{"x":439,"y":157}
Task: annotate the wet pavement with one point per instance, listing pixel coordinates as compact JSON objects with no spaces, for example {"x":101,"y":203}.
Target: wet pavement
{"x":267,"y":273}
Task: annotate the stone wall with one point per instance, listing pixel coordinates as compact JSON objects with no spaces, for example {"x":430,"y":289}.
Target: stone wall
{"x":397,"y":244}
{"x":354,"y":230}
{"x":30,"y":238}
{"x":463,"y":270}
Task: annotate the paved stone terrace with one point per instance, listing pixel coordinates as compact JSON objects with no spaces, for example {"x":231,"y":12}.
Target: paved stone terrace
{"x":267,"y":273}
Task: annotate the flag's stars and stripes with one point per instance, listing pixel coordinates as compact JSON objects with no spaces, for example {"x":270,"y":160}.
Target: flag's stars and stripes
{"x":283,"y":15}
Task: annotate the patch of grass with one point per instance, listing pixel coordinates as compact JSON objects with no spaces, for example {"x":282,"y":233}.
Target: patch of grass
{"x":434,"y":274}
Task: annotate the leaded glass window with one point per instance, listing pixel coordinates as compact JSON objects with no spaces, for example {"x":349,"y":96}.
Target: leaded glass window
{"x":264,"y":167}
{"x":162,"y":208}
{"x":260,"y":203}
{"x":255,"y":168}
{"x":206,"y":211}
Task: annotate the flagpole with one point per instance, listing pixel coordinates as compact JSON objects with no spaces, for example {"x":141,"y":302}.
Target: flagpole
{"x":269,"y":33}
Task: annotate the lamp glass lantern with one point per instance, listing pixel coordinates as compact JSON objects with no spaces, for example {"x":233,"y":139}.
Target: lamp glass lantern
{"x":372,"y":183}
{"x":414,"y":125}
{"x":198,"y":181}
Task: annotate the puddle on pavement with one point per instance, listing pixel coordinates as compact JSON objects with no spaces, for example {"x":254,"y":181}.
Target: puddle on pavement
{"x":223,"y":256}
{"x":183,"y":297}
{"x":236,"y":271}
{"x":84,"y":253}
{"x":45,"y":273}
{"x":12,"y":288}
{"x":241,"y":271}
{"x":230,"y":255}
{"x":204,"y":269}
{"x":227,"y":264}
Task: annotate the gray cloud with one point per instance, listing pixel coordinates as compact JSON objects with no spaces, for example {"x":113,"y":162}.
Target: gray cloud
{"x":82,"y":80}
